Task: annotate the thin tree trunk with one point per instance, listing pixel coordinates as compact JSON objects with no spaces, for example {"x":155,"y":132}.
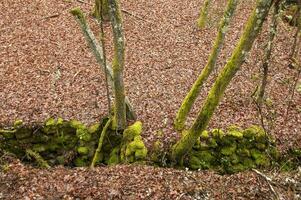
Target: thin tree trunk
{"x":203,"y":14}
{"x":100,"y":19}
{"x":101,"y":9}
{"x":265,"y":66}
{"x":99,"y":55}
{"x":195,"y":90}
{"x":100,"y":143}
{"x":245,"y":43}
{"x":118,"y":64}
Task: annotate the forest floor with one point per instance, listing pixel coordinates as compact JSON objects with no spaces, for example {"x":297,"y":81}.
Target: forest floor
{"x":47,"y":69}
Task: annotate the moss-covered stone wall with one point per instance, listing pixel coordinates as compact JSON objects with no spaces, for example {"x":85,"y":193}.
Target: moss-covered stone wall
{"x":71,"y":143}
{"x":233,"y":150}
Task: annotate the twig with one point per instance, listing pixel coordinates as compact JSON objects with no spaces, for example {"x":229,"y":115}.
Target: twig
{"x":134,"y":15}
{"x":81,"y":1}
{"x":100,"y":143}
{"x":269,"y":181}
{"x":76,"y":74}
{"x":52,"y":16}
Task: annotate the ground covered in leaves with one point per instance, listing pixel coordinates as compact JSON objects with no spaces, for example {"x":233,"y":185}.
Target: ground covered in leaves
{"x":140,"y":182}
{"x":46,"y":69}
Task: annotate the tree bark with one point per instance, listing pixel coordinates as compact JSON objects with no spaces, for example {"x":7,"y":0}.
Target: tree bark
{"x":254,"y":24}
{"x":118,"y":64}
{"x":203,"y":14}
{"x":266,"y":61}
{"x":101,"y":8}
{"x":99,"y":55}
{"x":195,"y":90}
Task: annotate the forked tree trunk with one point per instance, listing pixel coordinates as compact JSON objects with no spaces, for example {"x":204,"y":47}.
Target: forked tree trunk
{"x":97,"y":50}
{"x":118,"y":64}
{"x":254,"y":24}
{"x":195,"y":90}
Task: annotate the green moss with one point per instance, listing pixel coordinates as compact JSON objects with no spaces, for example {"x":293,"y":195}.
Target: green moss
{"x":60,"y":160}
{"x":228,"y":150}
{"x":261,"y":146}
{"x":201,"y":22}
{"x":138,"y":144}
{"x":77,"y":12}
{"x":40,"y":161}
{"x":256,"y":133}
{"x":206,"y":156}
{"x":77,"y":124}
{"x":50,"y":122}
{"x":83,"y":134}
{"x":256,"y":153}
{"x":132,"y":131}
{"x":83,"y":150}
{"x":236,"y":134}
{"x":140,"y":154}
{"x":39,"y":147}
{"x":94,"y":128}
{"x":114,"y":156}
{"x":204,"y":135}
{"x":243,"y":152}
{"x":236,"y":168}
{"x":260,"y":158}
{"x":273,"y":152}
{"x":217,"y":133}
{"x":195,"y":163}
{"x":18,"y":123}
{"x":60,"y":121}
{"x":8,"y":134}
{"x":234,"y":127}
{"x":212,"y":143}
{"x":128,"y":152}
{"x":23,"y":133}
{"x":248,"y":163}
{"x":81,"y":161}
{"x":234,"y":158}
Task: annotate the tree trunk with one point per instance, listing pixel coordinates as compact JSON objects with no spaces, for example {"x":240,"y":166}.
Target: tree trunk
{"x":99,"y":55}
{"x":266,"y":62}
{"x":203,"y":15}
{"x":118,"y":65}
{"x":101,"y":8}
{"x":245,"y":43}
{"x":195,"y":90}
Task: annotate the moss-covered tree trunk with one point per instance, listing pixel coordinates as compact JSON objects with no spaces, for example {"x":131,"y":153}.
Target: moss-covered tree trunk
{"x":201,"y":22}
{"x":195,"y":90}
{"x":118,"y":64}
{"x":97,"y":50}
{"x":101,"y":8}
{"x":244,"y":45}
